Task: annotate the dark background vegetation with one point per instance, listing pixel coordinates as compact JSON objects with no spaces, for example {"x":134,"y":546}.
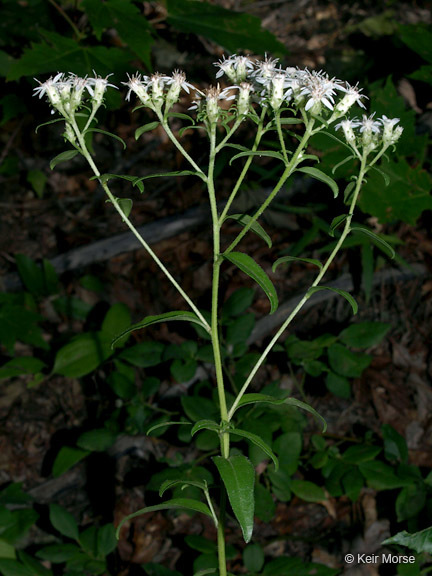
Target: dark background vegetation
{"x":46,"y":409}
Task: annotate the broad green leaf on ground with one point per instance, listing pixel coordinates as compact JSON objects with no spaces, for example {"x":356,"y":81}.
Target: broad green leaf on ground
{"x":98,"y":439}
{"x":57,"y":52}
{"x":63,"y":521}
{"x":407,"y":196}
{"x":254,"y":270}
{"x":21,"y":365}
{"x":82,"y":355}
{"x":419,"y":541}
{"x":232,"y":30}
{"x":173,"y":504}
{"x":364,"y":334}
{"x":347,"y":363}
{"x":127,"y":19}
{"x":66,"y":458}
{"x":307,"y":491}
{"x":238,"y":476}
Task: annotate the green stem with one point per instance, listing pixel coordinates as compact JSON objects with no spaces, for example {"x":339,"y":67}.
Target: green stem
{"x":132,"y":228}
{"x":259,"y":135}
{"x":217,"y":261}
{"x":345,"y":232}
{"x":177,"y":144}
{"x":289,"y":169}
{"x":59,"y":9}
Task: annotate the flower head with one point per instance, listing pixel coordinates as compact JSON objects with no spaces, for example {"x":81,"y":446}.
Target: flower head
{"x":236,"y":68}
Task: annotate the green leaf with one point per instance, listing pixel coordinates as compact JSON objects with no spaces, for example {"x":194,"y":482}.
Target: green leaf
{"x":81,"y":356}
{"x":343,"y":293}
{"x":125,"y":205}
{"x":252,"y":269}
{"x":258,"y":441}
{"x":253,"y":557}
{"x":131,"y":25}
{"x":360,"y":453}
{"x":238,"y":476}
{"x":63,"y":157}
{"x":244,"y":220}
{"x":407,"y":196}
{"x":173,"y":504}
{"x":175,"y":173}
{"x":146,"y":128}
{"x":238,"y":302}
{"x":21,"y":365}
{"x":260,"y":154}
{"x":38,"y":180}
{"x":395,"y":446}
{"x":285,"y":259}
{"x":59,"y":52}
{"x":232,"y":30}
{"x":136,"y":181}
{"x":377,"y":240}
{"x":58,"y":553}
{"x":381,"y":476}
{"x":66,"y":458}
{"x":144,"y":354}
{"x":97,"y":440}
{"x":178,"y":315}
{"x":106,"y":540}
{"x":336,"y":222}
{"x":205,"y":425}
{"x":9,"y":567}
{"x":347,"y":363}
{"x":107,"y":134}
{"x":419,"y":541}
{"x":364,"y":334}
{"x":36,"y":568}
{"x":321,"y":176}
{"x":63,"y":521}
{"x":170,"y":483}
{"x":256,"y":398}
{"x":165,"y":425}
{"x":307,"y":491}
{"x":338,"y":385}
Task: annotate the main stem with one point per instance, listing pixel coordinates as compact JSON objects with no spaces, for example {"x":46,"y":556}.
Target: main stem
{"x":317,"y":280}
{"x":217,"y":261}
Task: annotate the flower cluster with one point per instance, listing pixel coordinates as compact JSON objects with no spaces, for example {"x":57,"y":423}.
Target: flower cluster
{"x":66,"y":93}
{"x":156,"y":89}
{"x":370,"y":133}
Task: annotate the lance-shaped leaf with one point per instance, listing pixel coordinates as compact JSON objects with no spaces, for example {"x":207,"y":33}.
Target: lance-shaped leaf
{"x":170,"y":483}
{"x":244,"y":220}
{"x":107,"y":134}
{"x":336,"y":222}
{"x":377,"y":240}
{"x":103,"y":178}
{"x":173,"y":504}
{"x":285,"y":259}
{"x":260,"y":154}
{"x":419,"y":541}
{"x":256,"y":398}
{"x":258,"y":441}
{"x":252,"y":269}
{"x":146,"y":128}
{"x":49,"y":122}
{"x":321,"y":176}
{"x":175,"y":173}
{"x":206,"y":425}
{"x":238,"y":476}
{"x":339,"y":164}
{"x":63,"y":157}
{"x":125,"y":205}
{"x":343,"y":293}
{"x":177,"y":315}
{"x":385,"y":176}
{"x":165,"y":425}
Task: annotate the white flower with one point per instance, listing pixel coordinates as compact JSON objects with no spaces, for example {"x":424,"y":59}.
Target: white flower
{"x":176,"y":83}
{"x":391,"y":132}
{"x":348,"y":130}
{"x":97,"y":87}
{"x":318,"y":89}
{"x":352,"y":96}
{"x":236,"y":68}
{"x":139,"y":86}
{"x":51,"y":88}
{"x":244,"y":97}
